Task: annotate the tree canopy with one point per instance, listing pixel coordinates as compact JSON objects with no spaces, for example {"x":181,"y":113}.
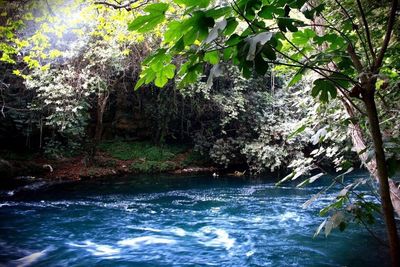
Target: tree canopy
{"x":336,"y":64}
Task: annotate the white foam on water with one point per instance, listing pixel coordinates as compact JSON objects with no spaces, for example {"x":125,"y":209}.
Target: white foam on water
{"x":5,"y":204}
{"x":257,"y":219}
{"x":249,"y":253}
{"x":30,"y":259}
{"x":97,"y":249}
{"x":145,"y":229}
{"x":175,"y":230}
{"x":178,"y":231}
{"x":215,"y":209}
{"x":289,"y":215}
{"x":222,"y":238}
{"x":145,"y":240}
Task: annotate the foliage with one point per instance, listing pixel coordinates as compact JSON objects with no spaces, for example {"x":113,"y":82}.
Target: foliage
{"x":195,"y":158}
{"x":72,"y":63}
{"x":141,"y":150}
{"x":256,"y":34}
{"x":252,"y":119}
{"x":153,"y":166}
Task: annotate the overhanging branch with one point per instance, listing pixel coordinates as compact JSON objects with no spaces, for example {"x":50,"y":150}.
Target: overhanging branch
{"x":126,"y":5}
{"x":389,"y":29}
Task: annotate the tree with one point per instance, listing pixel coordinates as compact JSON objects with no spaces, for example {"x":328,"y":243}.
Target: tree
{"x":66,"y":64}
{"x":348,"y":56}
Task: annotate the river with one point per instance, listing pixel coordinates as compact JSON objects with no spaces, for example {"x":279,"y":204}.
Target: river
{"x":177,"y":221}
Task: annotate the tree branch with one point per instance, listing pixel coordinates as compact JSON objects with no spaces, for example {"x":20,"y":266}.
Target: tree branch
{"x":391,"y":21}
{"x":354,"y":58}
{"x":126,"y":5}
{"x":237,"y":10}
{"x":355,"y":27}
{"x":365,"y":22}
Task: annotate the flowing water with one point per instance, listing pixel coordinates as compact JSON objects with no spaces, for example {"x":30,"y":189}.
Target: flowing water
{"x":176,"y":221}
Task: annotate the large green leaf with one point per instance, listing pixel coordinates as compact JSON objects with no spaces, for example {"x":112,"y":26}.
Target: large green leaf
{"x":285,"y":24}
{"x":324,"y":88}
{"x":149,"y":22}
{"x":260,"y":65}
{"x":249,"y":8}
{"x":269,"y":11}
{"x":196,"y":27}
{"x":297,"y":77}
{"x":303,"y":37}
{"x":212,"y":57}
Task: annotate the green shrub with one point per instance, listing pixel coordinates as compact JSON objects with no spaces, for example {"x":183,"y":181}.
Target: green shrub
{"x":152,"y":166}
{"x":141,"y":150}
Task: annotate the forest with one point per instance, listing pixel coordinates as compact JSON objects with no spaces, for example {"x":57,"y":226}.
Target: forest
{"x":112,"y":103}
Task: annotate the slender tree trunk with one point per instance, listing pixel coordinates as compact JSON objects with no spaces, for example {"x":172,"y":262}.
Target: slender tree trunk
{"x":382,"y":171}
{"x":358,"y":140}
{"x":101,"y":106}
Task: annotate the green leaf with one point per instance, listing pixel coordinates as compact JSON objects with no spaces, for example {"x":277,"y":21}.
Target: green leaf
{"x":196,"y":27}
{"x":193,"y":3}
{"x":303,"y":37}
{"x":297,"y":131}
{"x":216,"y":13}
{"x":297,"y":3}
{"x":173,"y":32}
{"x":261,"y":67}
{"x":268,"y":12}
{"x":139,"y":83}
{"x":249,"y":7}
{"x":323,"y":88}
{"x":231,"y":26}
{"x":297,"y":77}
{"x":160,"y":80}
{"x":233,"y":40}
{"x":169,"y":71}
{"x":212,"y":57}
{"x":228,"y":53}
{"x":149,"y":22}
{"x":191,"y":75}
{"x":286,"y":24}
{"x":268,"y":52}
{"x":340,"y":79}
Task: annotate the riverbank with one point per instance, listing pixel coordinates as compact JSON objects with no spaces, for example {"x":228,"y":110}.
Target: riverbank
{"x":113,"y":158}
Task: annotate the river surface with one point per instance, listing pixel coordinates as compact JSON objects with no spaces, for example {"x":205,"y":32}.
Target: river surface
{"x":177,"y":221}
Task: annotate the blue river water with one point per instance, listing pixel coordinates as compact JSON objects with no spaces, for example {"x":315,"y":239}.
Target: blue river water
{"x":177,"y":221}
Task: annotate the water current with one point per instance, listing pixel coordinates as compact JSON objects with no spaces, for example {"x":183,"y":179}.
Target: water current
{"x":177,"y":221}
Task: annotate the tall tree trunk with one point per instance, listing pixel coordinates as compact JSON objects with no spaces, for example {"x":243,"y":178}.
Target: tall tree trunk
{"x":382,"y":171}
{"x":359,"y":146}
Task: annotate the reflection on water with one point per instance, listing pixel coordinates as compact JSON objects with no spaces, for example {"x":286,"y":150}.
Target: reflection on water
{"x":183,"y":221}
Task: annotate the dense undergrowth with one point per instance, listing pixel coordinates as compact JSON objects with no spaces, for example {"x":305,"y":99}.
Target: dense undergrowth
{"x":146,"y":157}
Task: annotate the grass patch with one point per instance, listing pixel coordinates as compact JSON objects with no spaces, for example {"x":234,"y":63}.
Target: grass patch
{"x":153,"y":166}
{"x":149,"y":158}
{"x":141,"y":150}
